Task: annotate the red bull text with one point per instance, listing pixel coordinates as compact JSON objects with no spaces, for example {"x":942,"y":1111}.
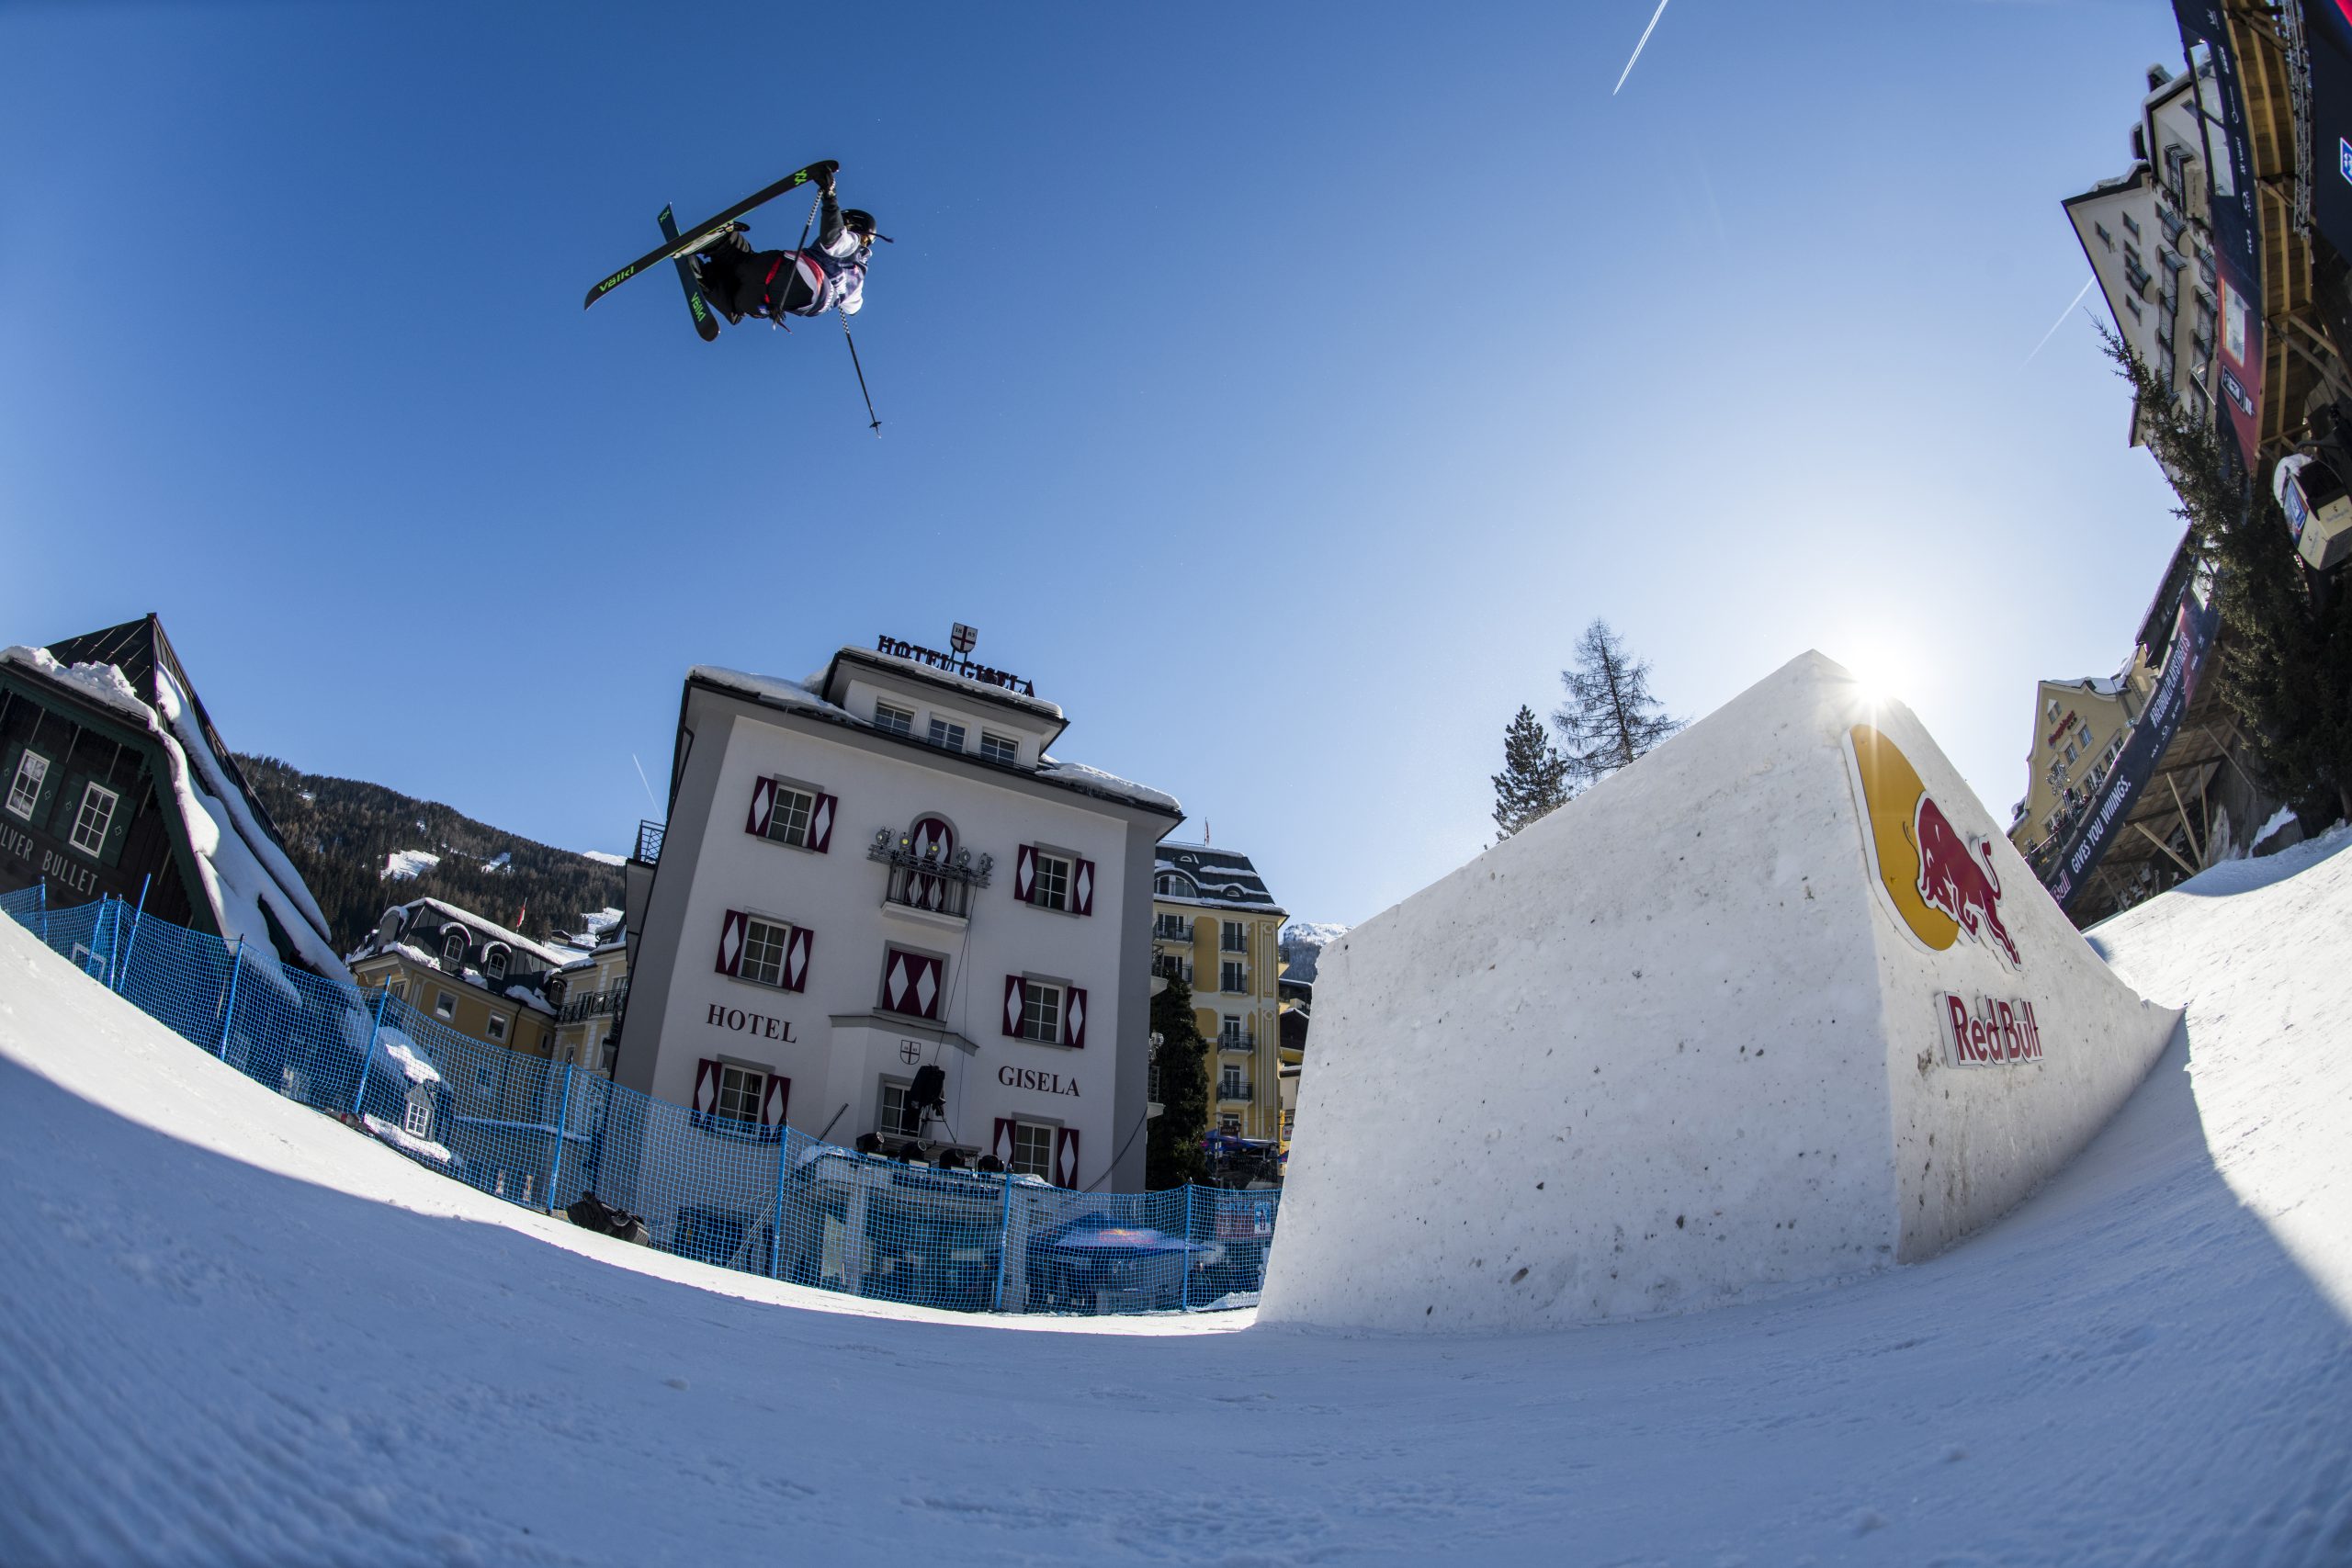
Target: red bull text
{"x":1960,"y":884}
{"x":1998,"y":1033}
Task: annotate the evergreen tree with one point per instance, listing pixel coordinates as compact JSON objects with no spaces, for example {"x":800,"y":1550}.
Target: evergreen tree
{"x":1534,"y":779}
{"x":2285,"y":653}
{"x":1172,"y":1153}
{"x":1609,"y":718}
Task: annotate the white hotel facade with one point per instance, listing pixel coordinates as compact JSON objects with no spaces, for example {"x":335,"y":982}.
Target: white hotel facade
{"x":881,"y":869}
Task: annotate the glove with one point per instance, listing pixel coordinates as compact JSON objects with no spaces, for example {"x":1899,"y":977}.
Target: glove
{"x":825,"y":180}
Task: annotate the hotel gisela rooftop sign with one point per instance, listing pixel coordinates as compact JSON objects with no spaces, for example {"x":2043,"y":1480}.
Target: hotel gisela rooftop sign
{"x":959,"y":663}
{"x":1941,"y":885}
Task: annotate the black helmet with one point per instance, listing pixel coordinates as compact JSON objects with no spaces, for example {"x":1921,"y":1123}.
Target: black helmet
{"x":857,"y":219}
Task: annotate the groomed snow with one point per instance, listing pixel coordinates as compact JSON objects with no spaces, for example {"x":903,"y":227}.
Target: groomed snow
{"x":407,"y":865}
{"x":232,"y":1330}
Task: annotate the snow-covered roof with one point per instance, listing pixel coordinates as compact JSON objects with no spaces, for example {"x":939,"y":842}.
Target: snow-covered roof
{"x":798,"y":696}
{"x":244,"y":876}
{"x":930,"y":674}
{"x":1223,"y":879}
{"x":432,"y":914}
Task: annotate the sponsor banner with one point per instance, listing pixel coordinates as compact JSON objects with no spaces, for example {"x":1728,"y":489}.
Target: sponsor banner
{"x":2228,"y":156}
{"x":2065,"y":869}
{"x":2327,"y":36}
{"x":1998,"y":1032}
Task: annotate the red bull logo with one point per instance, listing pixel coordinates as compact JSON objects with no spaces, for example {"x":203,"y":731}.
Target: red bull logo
{"x":1997,"y":1033}
{"x":1939,"y":881}
{"x":1963,"y":885}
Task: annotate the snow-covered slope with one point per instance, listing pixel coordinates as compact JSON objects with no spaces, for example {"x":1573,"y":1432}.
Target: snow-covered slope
{"x":232,"y":1332}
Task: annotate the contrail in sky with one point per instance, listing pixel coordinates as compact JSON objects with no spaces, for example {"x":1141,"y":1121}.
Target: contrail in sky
{"x":649,"y":787}
{"x":1637,"y":48}
{"x":2062,"y":317}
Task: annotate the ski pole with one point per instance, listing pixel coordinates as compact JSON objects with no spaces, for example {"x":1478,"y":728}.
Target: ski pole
{"x":873,"y":424}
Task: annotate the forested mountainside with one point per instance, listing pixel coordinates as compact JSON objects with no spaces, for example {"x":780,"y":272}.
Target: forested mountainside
{"x":362,"y":848}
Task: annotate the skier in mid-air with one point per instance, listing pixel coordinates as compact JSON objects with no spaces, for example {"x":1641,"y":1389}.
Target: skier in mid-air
{"x":740,"y":281}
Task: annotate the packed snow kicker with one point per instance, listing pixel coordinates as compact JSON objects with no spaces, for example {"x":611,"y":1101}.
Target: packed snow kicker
{"x":1700,"y":1026}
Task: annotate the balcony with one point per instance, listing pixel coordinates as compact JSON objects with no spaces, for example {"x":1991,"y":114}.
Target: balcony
{"x":593,"y":1004}
{"x":933,"y":886}
{"x":1237,"y":1042}
{"x":649,"y":842}
{"x":1233,"y":1093}
{"x":1168,"y":967}
{"x":1234,"y":942}
{"x":1165,"y":930}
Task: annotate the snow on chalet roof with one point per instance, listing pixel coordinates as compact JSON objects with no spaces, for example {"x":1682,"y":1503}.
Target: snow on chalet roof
{"x":799,"y":696}
{"x":243,"y":875}
{"x":1223,"y":878}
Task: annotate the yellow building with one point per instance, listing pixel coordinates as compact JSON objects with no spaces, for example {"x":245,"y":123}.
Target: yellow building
{"x":592,"y":993}
{"x":2079,"y":729}
{"x":466,"y":974}
{"x":1216,"y":927}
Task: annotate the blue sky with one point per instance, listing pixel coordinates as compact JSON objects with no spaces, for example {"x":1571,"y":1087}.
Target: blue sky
{"x":1281,"y":388}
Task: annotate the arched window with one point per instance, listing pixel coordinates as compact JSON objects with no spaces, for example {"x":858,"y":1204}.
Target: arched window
{"x":453,"y":945}
{"x":417,"y":1120}
{"x":494,"y":963}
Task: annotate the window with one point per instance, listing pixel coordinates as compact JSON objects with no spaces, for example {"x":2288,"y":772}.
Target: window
{"x":1173,"y":928}
{"x":91,"y":822}
{"x":897,"y":721}
{"x":2132,"y":224}
{"x":1041,"y":1014}
{"x":493,"y":964}
{"x":453,"y":946}
{"x":764,"y":945}
{"x":945,"y":735}
{"x":1230,"y":1123}
{"x":997,"y":748}
{"x":399,"y":989}
{"x":788,"y":819}
{"x":1049,"y":887}
{"x":1230,"y":1086}
{"x":444,"y":1005}
{"x":1152,"y":1093}
{"x":24,"y":789}
{"x":1235,"y":939}
{"x":1230,"y":1031}
{"x":739,"y":1091}
{"x":497,"y":1028}
{"x":1232,"y":977}
{"x":417,"y":1122}
{"x":1033,"y":1149}
{"x":1175,"y":885}
{"x":890,"y":1115}
{"x":2104,"y":237}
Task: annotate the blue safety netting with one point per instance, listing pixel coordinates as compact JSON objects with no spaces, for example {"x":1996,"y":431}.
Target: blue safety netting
{"x":763,"y":1200}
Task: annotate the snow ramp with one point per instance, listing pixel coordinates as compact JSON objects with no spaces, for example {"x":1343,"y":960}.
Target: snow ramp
{"x":1778,"y":1003}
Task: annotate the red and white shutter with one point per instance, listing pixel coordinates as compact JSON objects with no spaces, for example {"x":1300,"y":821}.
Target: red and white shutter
{"x":773,"y":1101}
{"x":1074,"y":1016}
{"x":1000,"y":1143}
{"x":796,"y":958}
{"x":763,"y":807}
{"x":1064,"y":1157}
{"x":1025,"y":873}
{"x":820,"y":822}
{"x":1016,"y":998}
{"x":730,"y":942}
{"x":705,"y":1100}
{"x":1081,"y":887}
{"x":911,"y":983}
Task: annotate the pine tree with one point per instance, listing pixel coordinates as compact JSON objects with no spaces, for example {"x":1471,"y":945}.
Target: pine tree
{"x":2285,"y":654}
{"x":1609,"y":718}
{"x":1534,"y":776}
{"x":1172,"y":1153}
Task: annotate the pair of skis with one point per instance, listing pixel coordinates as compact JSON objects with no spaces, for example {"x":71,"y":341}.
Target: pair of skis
{"x":675,"y":246}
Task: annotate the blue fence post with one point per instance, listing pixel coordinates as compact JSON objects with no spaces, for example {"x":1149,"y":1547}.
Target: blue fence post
{"x":775,"y":1232}
{"x":1187,"y":1298}
{"x":123,"y":972}
{"x":1004,"y":1245}
{"x":229,"y":1013}
{"x":562,"y":1118}
{"x":369,"y":1060}
{"x":44,"y":911}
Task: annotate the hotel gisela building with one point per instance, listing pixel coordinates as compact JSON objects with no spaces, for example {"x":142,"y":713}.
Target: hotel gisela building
{"x":880,"y":869}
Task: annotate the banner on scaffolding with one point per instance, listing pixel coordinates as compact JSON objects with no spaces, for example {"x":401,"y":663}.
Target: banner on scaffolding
{"x":2231,"y":212}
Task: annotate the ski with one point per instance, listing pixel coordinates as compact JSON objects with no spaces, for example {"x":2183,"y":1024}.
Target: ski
{"x":705,"y":321}
{"x":709,"y":229}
